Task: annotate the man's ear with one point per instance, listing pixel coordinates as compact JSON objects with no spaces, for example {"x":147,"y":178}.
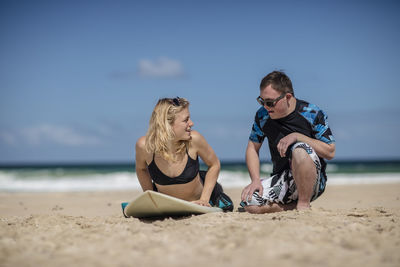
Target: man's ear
{"x":288,"y":97}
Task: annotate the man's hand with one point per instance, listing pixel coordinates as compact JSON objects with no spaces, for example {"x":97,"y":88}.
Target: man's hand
{"x":285,"y":142}
{"x":250,"y":189}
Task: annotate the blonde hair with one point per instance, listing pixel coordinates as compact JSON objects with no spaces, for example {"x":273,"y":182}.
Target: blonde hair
{"x":160,"y":132}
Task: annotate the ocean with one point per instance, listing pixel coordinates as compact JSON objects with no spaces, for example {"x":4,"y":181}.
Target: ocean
{"x":107,"y":177}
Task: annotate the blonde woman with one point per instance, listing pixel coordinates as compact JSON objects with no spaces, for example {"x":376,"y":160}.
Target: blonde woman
{"x":167,"y":158}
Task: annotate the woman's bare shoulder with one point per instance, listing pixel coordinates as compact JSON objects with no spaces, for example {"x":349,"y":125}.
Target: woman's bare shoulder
{"x":141,"y":143}
{"x":197,"y":138}
{"x":141,"y":152}
{"x":195,"y":135}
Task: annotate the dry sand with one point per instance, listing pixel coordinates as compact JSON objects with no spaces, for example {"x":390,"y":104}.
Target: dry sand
{"x":352,"y":225}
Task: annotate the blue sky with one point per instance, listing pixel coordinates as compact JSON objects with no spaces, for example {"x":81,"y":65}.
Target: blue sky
{"x":79,"y":79}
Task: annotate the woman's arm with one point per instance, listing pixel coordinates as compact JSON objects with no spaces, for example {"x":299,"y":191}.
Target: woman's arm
{"x":209,"y":157}
{"x":141,"y":165}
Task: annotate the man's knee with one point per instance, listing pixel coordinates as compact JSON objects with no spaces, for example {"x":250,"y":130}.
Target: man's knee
{"x":300,"y":157}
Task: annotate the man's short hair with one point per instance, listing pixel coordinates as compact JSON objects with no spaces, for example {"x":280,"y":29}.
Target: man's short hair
{"x":279,"y":81}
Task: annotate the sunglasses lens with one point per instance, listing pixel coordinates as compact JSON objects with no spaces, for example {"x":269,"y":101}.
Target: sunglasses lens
{"x":176,"y":101}
{"x":262,"y":102}
{"x":269,"y":104}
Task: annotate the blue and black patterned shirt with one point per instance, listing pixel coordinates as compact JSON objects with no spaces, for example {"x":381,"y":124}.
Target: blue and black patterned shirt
{"x":307,"y":119}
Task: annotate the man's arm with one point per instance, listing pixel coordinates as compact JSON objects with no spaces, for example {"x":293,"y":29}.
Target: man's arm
{"x":322,"y":149}
{"x":253,"y":165}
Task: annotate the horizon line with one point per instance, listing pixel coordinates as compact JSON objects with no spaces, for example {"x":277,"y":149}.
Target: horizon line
{"x":110,"y":163}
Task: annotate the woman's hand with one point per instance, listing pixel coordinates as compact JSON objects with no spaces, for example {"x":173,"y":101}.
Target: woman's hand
{"x":207,"y":154}
{"x":202,"y":203}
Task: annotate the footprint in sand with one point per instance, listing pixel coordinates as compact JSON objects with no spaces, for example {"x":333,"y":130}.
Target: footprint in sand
{"x":56,"y":208}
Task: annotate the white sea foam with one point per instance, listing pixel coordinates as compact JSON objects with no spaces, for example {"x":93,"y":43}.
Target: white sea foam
{"x":363,"y":178}
{"x":237,"y":179}
{"x":63,"y":182}
{"x":90,"y":182}
{"x":232,"y":179}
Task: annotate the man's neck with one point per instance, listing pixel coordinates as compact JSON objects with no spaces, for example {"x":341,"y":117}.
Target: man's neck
{"x":291,"y":106}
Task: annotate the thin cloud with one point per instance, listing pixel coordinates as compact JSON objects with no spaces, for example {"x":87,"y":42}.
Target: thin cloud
{"x":161,"y":68}
{"x":57,"y":134}
{"x":7,"y":138}
{"x":121,"y":75}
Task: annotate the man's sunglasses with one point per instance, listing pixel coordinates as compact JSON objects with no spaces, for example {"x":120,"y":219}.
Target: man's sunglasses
{"x":270,"y":103}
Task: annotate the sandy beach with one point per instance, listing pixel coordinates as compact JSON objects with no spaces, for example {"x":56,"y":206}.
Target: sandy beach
{"x":349,"y":225}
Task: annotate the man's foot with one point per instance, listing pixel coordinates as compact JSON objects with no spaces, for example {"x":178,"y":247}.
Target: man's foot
{"x":270,"y":208}
{"x":303,"y":206}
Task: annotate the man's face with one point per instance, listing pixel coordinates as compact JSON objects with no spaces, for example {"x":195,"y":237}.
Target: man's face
{"x":280,"y":108}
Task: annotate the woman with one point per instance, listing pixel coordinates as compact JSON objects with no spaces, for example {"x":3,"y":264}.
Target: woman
{"x":167,"y":157}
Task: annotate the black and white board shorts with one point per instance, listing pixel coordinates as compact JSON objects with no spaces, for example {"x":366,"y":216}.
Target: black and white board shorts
{"x":281,"y":187}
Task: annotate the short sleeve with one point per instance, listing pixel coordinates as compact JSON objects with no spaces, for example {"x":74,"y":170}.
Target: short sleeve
{"x":321,"y":128}
{"x":257,"y":135}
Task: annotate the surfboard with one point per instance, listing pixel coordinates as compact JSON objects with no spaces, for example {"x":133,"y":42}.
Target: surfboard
{"x":155,"y":204}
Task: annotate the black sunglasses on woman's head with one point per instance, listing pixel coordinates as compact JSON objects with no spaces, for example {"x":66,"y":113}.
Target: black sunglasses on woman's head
{"x":176,"y":101}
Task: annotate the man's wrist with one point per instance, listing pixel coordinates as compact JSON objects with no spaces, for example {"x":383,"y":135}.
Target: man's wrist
{"x":256,"y":181}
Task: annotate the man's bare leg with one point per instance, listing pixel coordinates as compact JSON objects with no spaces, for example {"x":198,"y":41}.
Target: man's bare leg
{"x":304,"y":173}
{"x":270,"y":208}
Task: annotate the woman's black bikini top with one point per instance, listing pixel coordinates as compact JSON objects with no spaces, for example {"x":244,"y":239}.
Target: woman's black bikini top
{"x":189,"y":173}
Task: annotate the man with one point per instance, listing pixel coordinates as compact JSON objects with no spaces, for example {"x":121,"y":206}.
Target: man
{"x":299,"y":140}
